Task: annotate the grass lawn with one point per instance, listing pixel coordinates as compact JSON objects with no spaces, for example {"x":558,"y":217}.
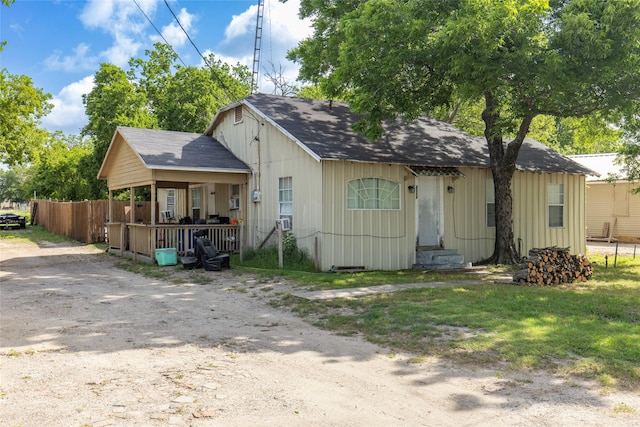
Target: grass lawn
{"x":590,"y":329}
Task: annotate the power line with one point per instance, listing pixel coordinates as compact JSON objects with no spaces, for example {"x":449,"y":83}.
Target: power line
{"x":159,"y":33}
{"x":222,"y":83}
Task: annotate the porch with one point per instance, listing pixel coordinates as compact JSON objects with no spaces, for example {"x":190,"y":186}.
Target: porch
{"x":185,"y":176}
{"x":140,"y":241}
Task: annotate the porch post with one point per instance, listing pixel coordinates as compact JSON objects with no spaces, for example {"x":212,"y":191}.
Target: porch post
{"x":110,"y":205}
{"x":186,"y":201}
{"x":153,"y":203}
{"x":132,"y":204}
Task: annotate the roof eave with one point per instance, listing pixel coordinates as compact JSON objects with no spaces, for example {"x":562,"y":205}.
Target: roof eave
{"x":218,"y":117}
{"x":196,"y":169}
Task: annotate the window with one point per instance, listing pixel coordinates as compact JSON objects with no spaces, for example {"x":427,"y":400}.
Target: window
{"x":234,"y":202}
{"x":237,"y":114}
{"x":195,"y":203}
{"x":491,"y":203}
{"x":285,"y":198}
{"x":373,"y":193}
{"x":171,"y":200}
{"x":555,"y":195}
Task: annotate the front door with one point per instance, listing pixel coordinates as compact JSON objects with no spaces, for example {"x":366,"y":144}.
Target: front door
{"x":430,"y":211}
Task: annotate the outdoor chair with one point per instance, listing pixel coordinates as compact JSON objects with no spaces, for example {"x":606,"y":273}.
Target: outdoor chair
{"x":208,"y":256}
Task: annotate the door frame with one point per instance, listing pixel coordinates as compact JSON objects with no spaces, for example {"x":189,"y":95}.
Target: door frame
{"x":430,"y":204}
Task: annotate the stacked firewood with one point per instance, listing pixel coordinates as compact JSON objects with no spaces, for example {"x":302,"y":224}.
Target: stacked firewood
{"x":552,"y":265}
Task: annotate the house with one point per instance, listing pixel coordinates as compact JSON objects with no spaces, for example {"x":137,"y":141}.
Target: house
{"x":613,"y":211}
{"x":352,"y":202}
{"x":420,"y":195}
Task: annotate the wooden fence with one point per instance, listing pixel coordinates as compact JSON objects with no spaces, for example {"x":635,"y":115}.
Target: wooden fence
{"x":85,"y":221}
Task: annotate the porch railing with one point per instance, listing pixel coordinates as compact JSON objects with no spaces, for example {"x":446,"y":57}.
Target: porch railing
{"x":144,"y":239}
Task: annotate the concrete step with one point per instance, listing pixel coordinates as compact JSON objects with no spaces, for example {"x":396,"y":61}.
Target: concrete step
{"x":439,"y":259}
{"x":457,"y":266}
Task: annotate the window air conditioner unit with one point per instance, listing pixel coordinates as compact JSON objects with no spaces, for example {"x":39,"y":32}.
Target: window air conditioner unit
{"x":234,"y":203}
{"x":284,"y":224}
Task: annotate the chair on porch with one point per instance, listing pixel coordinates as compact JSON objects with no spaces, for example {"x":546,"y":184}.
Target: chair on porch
{"x":167,"y":216}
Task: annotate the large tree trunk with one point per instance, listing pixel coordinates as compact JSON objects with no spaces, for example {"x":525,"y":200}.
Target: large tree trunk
{"x":504,"y":251}
{"x":503,"y":165}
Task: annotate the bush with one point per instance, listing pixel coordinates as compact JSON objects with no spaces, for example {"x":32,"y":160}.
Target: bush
{"x":294,"y":258}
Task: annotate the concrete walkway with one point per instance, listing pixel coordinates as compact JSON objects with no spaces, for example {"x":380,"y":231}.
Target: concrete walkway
{"x":624,"y":249}
{"x":381,"y":289}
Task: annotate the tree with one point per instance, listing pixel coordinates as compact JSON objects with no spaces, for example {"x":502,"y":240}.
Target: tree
{"x":57,"y":173}
{"x":629,"y":160}
{"x":186,"y":98}
{"x":523,"y":58}
{"x":281,"y":86}
{"x":112,"y":102}
{"x":12,"y":184}
{"x":21,"y":107}
{"x":6,"y":3}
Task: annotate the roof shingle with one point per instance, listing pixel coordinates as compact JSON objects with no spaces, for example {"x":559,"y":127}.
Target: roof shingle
{"x":326,"y":129}
{"x":161,"y":149}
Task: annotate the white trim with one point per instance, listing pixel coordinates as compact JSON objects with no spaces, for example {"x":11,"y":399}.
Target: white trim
{"x":191,"y":169}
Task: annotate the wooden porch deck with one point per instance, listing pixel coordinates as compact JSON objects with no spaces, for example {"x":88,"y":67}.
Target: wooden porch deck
{"x":144,"y":239}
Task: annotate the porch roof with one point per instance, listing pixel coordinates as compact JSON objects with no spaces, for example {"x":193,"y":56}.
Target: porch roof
{"x":140,"y":156}
{"x":162,"y":149}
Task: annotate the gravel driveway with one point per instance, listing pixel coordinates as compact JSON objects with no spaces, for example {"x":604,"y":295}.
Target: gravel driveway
{"x":84,"y":343}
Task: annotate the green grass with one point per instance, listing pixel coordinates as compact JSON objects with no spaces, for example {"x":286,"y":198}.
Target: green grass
{"x":32,"y":234}
{"x":590,"y":329}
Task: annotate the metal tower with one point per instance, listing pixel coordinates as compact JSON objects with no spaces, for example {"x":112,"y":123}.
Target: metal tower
{"x":256,"y":48}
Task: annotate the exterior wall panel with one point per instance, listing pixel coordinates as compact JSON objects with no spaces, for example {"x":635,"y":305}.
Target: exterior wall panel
{"x":465,"y":213}
{"x":613,"y":204}
{"x":530,"y":212}
{"x":127,"y":170}
{"x":272,"y":155}
{"x":375,"y":239}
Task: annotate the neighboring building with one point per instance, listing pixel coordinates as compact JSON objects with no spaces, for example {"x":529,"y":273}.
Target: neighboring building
{"x":348,"y":201}
{"x":611,"y":205}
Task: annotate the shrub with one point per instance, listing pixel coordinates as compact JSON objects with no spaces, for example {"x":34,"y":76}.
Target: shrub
{"x":294,"y":258}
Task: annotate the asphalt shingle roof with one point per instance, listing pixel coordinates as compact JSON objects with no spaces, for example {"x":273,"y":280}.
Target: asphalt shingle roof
{"x":326,"y":129}
{"x":161,"y":149}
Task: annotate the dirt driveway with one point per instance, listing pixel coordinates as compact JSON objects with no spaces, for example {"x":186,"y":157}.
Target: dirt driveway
{"x":87,"y":344}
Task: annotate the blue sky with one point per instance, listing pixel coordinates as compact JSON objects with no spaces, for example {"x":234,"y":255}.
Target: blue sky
{"x":61,"y":43}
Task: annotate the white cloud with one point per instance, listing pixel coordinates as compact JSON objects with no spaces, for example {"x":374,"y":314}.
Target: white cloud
{"x":80,"y":60}
{"x":173,"y":34}
{"x":122,"y":50}
{"x":282,"y":29}
{"x":68,"y":114}
{"x":123,"y":21}
{"x":97,"y":13}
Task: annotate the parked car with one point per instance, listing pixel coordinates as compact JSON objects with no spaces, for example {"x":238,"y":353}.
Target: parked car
{"x":10,"y":220}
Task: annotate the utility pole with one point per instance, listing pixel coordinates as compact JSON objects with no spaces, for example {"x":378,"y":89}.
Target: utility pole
{"x":256,"y":48}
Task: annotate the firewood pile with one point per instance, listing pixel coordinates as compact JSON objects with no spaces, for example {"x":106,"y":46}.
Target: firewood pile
{"x":552,"y":265}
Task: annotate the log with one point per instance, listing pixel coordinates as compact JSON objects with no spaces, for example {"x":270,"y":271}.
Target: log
{"x":553,"y":265}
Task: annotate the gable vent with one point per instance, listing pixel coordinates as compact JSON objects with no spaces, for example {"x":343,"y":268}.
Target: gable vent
{"x":237,"y":114}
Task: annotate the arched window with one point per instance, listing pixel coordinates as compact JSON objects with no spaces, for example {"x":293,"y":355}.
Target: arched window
{"x":373,"y":193}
